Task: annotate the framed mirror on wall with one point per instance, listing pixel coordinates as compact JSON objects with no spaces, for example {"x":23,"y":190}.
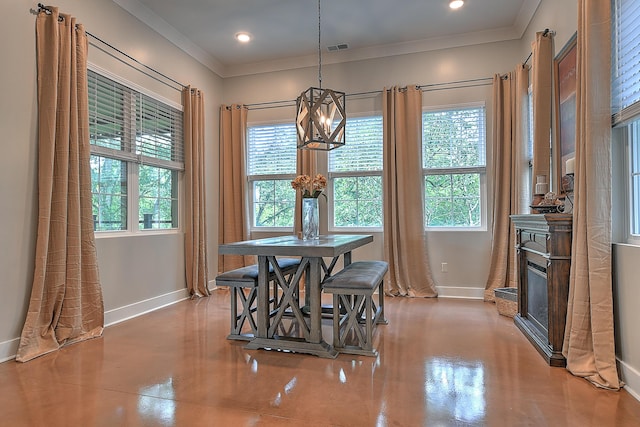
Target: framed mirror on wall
{"x":565,"y":115}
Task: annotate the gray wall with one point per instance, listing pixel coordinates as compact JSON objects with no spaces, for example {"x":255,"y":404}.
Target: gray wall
{"x":466,"y":252}
{"x":137,"y":273}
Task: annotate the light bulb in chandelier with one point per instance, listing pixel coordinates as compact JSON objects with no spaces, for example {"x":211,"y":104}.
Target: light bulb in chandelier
{"x":325,"y":122}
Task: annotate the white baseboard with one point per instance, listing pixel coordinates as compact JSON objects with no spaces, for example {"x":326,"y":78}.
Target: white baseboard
{"x":8,"y":349}
{"x":460,"y":292}
{"x":139,"y":308}
{"x":631,"y":378}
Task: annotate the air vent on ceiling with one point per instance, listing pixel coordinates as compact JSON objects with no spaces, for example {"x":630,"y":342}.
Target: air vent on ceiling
{"x":334,"y":48}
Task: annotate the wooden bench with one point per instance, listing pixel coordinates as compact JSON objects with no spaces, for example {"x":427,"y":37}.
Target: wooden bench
{"x":243,"y":286}
{"x":355,"y":314}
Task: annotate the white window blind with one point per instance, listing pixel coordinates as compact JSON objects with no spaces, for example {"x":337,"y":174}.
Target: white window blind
{"x":454,"y":139}
{"x":271,"y":150}
{"x":625,"y":73}
{"x":132,"y":126}
{"x":363,"y":150}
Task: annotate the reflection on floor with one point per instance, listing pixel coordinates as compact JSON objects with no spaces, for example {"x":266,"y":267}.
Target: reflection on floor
{"x":442,"y":363}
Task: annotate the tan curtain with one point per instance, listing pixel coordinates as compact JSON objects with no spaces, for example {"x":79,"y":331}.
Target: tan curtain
{"x":510,"y":124}
{"x":404,"y":236}
{"x":589,"y":336}
{"x":232,"y":221}
{"x":195,"y":245}
{"x":66,"y":299}
{"x":305,"y":165}
{"x":542,"y":80}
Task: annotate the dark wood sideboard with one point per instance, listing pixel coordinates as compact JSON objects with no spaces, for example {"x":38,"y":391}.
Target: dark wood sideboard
{"x":543,"y":243}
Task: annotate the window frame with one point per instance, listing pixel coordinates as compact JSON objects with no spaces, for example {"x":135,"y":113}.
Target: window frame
{"x":632,"y":204}
{"x":250,"y":179}
{"x":480,"y":170}
{"x":133,"y":161}
{"x":625,"y":119}
{"x":352,"y":174}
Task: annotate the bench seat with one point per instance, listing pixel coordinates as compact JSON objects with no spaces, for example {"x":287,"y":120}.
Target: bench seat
{"x":243,"y":285}
{"x":355,"y":314}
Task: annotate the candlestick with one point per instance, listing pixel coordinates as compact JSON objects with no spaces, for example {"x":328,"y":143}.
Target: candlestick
{"x":569,"y":166}
{"x":542,"y":188}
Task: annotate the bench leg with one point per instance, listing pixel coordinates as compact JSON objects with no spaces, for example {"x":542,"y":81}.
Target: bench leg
{"x":380,"y":319}
{"x":248,"y":308}
{"x":356,"y":309}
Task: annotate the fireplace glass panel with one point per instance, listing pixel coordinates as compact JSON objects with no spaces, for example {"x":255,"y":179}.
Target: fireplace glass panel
{"x":537,"y":297}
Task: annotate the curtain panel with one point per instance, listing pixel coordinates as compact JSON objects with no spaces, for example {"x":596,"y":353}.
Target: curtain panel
{"x":589,"y":343}
{"x":66,"y":303}
{"x":510,"y":164}
{"x":232,"y":219}
{"x":195,"y":245}
{"x":404,"y":236}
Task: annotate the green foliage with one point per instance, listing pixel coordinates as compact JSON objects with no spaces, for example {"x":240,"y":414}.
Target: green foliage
{"x":158,"y":197}
{"x":109,"y":188}
{"x":452,"y":200}
{"x":274,"y":203}
{"x":357,"y":201}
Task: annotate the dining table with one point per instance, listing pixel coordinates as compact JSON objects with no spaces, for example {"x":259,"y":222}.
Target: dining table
{"x":318,"y":260}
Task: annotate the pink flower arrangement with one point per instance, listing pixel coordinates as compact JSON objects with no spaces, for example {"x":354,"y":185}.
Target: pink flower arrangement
{"x":309,"y":187}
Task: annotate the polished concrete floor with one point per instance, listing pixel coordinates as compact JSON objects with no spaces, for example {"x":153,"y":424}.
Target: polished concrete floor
{"x":442,"y":363}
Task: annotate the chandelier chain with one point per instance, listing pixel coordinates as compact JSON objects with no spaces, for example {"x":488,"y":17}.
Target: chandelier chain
{"x":319,"y":51}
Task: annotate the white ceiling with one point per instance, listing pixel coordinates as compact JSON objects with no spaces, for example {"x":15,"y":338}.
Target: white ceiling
{"x":285,"y":32}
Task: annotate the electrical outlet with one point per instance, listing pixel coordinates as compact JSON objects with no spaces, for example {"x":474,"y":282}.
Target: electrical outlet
{"x":445,"y":267}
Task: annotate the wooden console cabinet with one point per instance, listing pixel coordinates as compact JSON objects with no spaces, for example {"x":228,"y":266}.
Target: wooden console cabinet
{"x":543,"y":243}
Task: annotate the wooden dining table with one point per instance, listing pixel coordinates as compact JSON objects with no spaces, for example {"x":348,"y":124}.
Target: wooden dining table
{"x":314,"y":261}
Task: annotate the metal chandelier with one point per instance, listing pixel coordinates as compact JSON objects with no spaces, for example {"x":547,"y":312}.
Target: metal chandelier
{"x":321,"y":117}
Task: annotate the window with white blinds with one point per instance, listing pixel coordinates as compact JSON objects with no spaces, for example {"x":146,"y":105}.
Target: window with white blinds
{"x":355,"y":175}
{"x":271,"y":149}
{"x":364,"y":150}
{"x":454,"y":139}
{"x":137,"y":151}
{"x":271,"y":166}
{"x":129,"y":125}
{"x":625,"y":73}
{"x":454,"y":166}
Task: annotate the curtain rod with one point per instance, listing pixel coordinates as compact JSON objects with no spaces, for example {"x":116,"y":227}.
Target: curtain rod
{"x":425,"y":88}
{"x":47,"y":9}
{"x":544,"y":34}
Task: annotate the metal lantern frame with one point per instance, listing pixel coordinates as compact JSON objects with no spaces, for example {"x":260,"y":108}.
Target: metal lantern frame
{"x":321,"y":119}
{"x":320,"y":113}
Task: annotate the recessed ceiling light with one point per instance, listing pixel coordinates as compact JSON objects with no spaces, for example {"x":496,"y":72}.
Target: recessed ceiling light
{"x":456,"y":4}
{"x":243,"y":37}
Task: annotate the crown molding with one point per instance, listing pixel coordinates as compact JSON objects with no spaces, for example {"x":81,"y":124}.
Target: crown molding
{"x":151,"y":19}
{"x":162,"y":27}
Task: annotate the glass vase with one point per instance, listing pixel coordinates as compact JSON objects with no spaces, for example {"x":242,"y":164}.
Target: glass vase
{"x":310,"y":218}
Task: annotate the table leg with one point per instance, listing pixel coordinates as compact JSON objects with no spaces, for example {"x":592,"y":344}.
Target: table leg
{"x":262,"y":312}
{"x":315,"y":303}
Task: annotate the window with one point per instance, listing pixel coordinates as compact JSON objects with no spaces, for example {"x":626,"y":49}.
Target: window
{"x":271,"y":166}
{"x":454,"y":166}
{"x":136,"y":155}
{"x":625,"y":102}
{"x":634,"y":176}
{"x":355,"y":175}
